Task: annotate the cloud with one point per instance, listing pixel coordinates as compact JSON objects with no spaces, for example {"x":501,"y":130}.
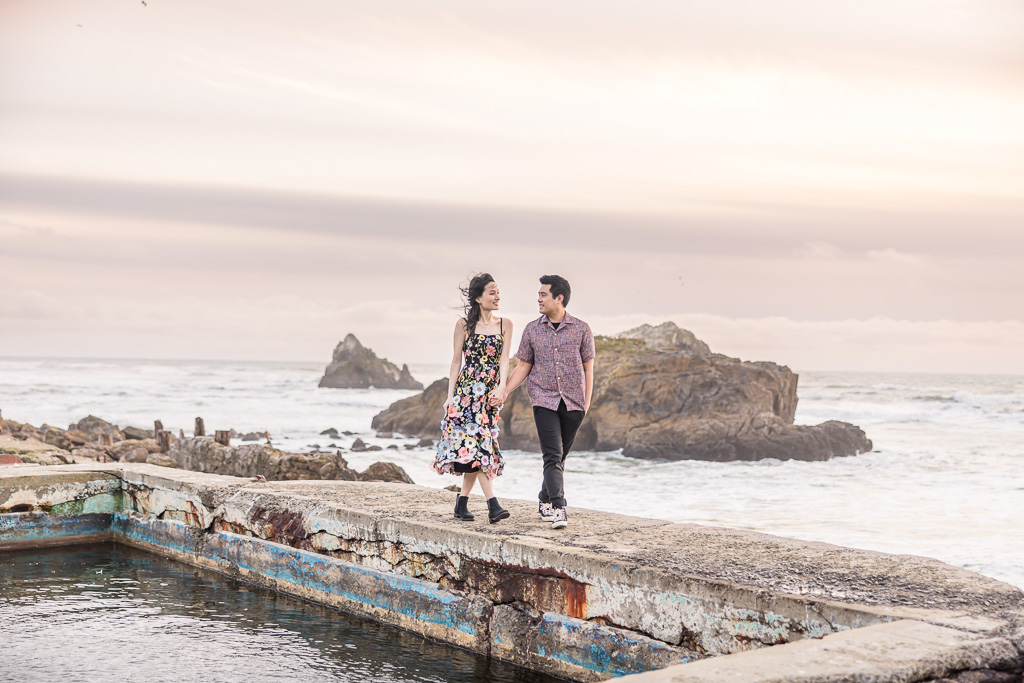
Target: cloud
{"x":895,"y":257}
{"x":818,"y":250}
{"x":736,"y":228}
{"x":289,"y":327}
{"x":870,"y":344}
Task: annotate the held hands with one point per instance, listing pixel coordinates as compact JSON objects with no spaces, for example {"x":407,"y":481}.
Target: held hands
{"x":497,"y":398}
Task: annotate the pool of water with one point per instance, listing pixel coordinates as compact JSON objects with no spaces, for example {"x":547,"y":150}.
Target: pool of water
{"x":107,"y":612}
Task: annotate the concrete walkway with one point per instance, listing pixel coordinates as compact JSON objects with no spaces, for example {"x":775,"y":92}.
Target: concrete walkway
{"x":704,"y":591}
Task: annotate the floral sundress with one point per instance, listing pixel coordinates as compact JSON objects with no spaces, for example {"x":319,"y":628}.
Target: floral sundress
{"x":469,"y":431}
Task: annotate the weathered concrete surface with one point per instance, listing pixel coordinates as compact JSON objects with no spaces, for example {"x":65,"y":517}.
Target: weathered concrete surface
{"x":670,"y":592}
{"x":898,"y":651}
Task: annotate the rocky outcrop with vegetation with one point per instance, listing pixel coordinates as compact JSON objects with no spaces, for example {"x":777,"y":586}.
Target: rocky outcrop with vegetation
{"x":660,"y":393}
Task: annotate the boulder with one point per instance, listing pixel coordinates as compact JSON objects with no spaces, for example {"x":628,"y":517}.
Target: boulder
{"x":353,"y":366}
{"x":137,"y":454}
{"x":137,"y":433}
{"x":120,"y":449}
{"x":58,"y":438}
{"x":332,"y":432}
{"x":385,"y":471}
{"x":358,"y":446}
{"x":162,"y":459}
{"x":91,"y":453}
{"x":77,"y":437}
{"x":665,"y":396}
{"x":94,"y":426}
{"x":252,"y":436}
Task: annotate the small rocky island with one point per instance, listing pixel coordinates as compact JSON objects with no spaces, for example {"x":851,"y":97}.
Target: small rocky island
{"x":353,"y":366}
{"x":660,"y":393}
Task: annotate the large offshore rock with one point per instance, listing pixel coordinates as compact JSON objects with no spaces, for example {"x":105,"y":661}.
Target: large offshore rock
{"x":665,"y":396}
{"x":353,"y":366}
{"x":418,"y":415}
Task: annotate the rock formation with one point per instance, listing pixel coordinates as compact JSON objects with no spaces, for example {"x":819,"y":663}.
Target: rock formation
{"x":667,"y":336}
{"x":47,"y":445}
{"x":353,"y":366}
{"x":660,"y":393}
{"x":203,"y":454}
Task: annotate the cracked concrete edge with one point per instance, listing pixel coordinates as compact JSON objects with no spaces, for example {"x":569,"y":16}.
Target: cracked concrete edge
{"x":562,"y":646}
{"x":903,"y":651}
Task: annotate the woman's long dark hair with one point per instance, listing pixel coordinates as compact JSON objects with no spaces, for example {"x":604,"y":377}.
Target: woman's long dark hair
{"x":477,"y":284}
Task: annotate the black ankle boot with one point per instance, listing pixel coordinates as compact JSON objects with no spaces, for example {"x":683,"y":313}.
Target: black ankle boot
{"x":462,"y":510}
{"x":495,"y":512}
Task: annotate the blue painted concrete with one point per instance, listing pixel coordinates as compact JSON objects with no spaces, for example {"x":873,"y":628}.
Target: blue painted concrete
{"x":33,"y":527}
{"x":397,"y":593}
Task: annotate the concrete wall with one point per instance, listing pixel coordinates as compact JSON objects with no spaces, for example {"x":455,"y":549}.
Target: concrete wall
{"x":611,"y":596}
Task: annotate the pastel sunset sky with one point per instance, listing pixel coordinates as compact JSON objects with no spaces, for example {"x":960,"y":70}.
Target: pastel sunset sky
{"x":828,"y":185}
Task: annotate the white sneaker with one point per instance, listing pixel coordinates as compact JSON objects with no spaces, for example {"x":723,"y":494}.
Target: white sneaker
{"x":547,"y":512}
{"x":560,"y":520}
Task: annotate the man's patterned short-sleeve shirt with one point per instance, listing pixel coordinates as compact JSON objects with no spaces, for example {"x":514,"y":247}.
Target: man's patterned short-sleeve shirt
{"x":557,"y":357}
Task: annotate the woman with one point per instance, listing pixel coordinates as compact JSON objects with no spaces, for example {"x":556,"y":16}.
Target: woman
{"x":469,"y":429}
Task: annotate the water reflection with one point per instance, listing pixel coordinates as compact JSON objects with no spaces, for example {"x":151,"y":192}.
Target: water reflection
{"x":106,"y":611}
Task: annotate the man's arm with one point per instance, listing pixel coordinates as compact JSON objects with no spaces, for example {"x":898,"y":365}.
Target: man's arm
{"x":588,"y":377}
{"x":519,"y":376}
{"x":587,"y":354}
{"x":525,"y":356}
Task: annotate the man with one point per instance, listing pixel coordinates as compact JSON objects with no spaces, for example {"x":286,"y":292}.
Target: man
{"x":557,"y":355}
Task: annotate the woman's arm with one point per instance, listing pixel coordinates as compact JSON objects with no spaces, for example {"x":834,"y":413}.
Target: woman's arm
{"x":458,"y":339}
{"x":498,"y":395}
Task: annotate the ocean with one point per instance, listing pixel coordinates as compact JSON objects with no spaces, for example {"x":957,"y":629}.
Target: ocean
{"x":946,"y":478}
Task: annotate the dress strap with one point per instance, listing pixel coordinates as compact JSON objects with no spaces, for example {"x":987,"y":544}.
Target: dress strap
{"x":501,"y":326}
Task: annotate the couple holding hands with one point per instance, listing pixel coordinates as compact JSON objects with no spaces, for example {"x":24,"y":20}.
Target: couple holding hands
{"x":556,"y":360}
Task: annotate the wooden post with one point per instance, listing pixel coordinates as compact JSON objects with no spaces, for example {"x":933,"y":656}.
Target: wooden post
{"x":223,"y":437}
{"x":163,"y":440}
{"x":158,"y":427}
{"x":200,"y":427}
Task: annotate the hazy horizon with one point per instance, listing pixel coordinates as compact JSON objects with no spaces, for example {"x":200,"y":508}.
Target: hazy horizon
{"x":827,"y":186}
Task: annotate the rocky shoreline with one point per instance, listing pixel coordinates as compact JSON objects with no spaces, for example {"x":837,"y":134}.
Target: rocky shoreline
{"x":660,"y":393}
{"x":93,"y":439}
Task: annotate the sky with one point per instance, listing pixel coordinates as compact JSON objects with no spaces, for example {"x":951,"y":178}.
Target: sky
{"x":830,"y":186}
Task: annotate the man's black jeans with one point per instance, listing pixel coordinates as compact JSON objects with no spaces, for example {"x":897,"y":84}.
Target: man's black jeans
{"x":557,"y":430}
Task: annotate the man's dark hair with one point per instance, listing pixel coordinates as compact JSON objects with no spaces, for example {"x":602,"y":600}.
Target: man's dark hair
{"x":559,"y":286}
